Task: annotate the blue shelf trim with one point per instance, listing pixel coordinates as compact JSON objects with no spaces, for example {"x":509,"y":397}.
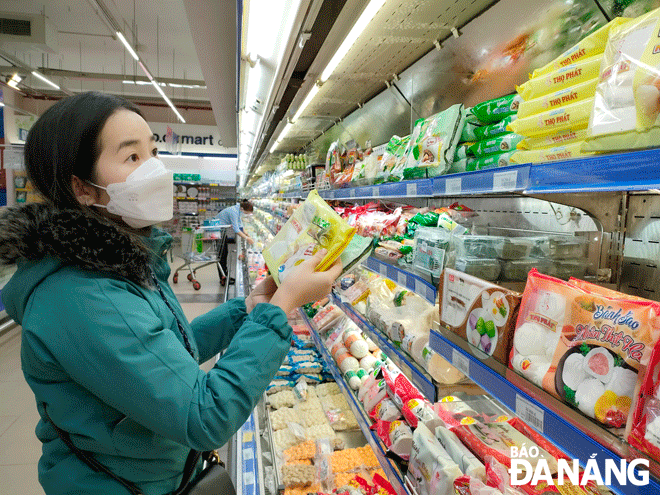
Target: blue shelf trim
{"x":404,"y":278}
{"x":504,"y":179}
{"x":392,"y":473}
{"x":248,"y":437}
{"x":570,"y":439}
{"x":412,"y":370}
{"x":632,"y":171}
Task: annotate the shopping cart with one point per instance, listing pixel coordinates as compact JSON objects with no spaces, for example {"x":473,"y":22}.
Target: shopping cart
{"x":196,"y":254}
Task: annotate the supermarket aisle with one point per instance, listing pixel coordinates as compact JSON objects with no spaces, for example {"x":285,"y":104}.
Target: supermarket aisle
{"x":19,"y":448}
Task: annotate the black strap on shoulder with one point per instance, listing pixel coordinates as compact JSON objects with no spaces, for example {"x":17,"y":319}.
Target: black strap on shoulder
{"x":88,"y":458}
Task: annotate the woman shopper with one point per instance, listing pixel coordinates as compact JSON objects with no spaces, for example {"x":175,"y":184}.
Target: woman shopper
{"x":106,"y":348}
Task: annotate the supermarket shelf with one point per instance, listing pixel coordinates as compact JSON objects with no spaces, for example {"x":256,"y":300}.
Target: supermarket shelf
{"x":393,"y":475}
{"x":411,"y":369}
{"x":631,"y":171}
{"x":409,"y":280}
{"x":249,"y":478}
{"x":575,"y":434}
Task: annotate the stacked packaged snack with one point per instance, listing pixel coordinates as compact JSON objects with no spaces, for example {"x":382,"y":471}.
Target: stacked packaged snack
{"x":558,"y":100}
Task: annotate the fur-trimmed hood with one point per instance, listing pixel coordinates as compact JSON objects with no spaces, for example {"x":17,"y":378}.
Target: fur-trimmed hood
{"x":37,"y":231}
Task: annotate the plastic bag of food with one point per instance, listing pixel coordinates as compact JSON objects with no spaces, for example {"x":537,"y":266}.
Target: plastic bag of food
{"x":494,"y":110}
{"x":280,"y":385}
{"x":431,"y":470}
{"x":559,"y":138}
{"x":643,"y":431}
{"x":281,"y":399}
{"x":394,"y":156}
{"x":298,"y":475}
{"x":499,"y":144}
{"x":397,"y":437}
{"x":282,"y":417}
{"x":591,"y":45}
{"x":465,"y":459}
{"x":565,"y":77}
{"x":399,"y":387}
{"x":560,"y":98}
{"x":418,"y":411}
{"x":468,"y":485}
{"x":303,"y":451}
{"x":493,"y":130}
{"x":468,"y":134}
{"x":385,"y":410}
{"x":312,"y":226}
{"x":565,"y":152}
{"x":552,"y":121}
{"x":494,"y":160}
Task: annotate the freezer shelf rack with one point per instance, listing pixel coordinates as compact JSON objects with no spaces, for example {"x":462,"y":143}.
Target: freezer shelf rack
{"x":248,"y":454}
{"x":393,"y":475}
{"x":412,"y":370}
{"x":508,"y":179}
{"x":406,"y":189}
{"x":630,"y":171}
{"x":411,"y":281}
{"x":576,"y":435}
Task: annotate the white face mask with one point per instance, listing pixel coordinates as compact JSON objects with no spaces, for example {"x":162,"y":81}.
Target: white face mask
{"x":145,"y":198}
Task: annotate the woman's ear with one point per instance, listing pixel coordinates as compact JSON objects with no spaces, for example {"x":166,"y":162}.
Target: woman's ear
{"x":86,"y":194}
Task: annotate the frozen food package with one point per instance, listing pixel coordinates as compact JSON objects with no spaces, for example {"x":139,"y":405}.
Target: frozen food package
{"x":282,"y":417}
{"x":431,"y":469}
{"x":497,"y":109}
{"x":285,"y":398}
{"x":498,"y":144}
{"x":627,"y":103}
{"x":496,"y":439}
{"x":484,"y":268}
{"x":302,"y":451}
{"x":589,"y":46}
{"x":565,"y":77}
{"x":298,"y":475}
{"x":560,"y":98}
{"x":493,"y":130}
{"x":397,"y":437}
{"x":385,"y":410}
{"x":493,"y":161}
{"x":399,"y":388}
{"x":468,"y":134}
{"x":584,"y":344}
{"x":461,"y":455}
{"x":643,"y":431}
{"x":418,"y":411}
{"x":431,"y":244}
{"x":552,"y":121}
{"x":468,"y":485}
{"x":559,"y":138}
{"x":374,"y":395}
{"x":312,"y":226}
{"x":480,"y":312}
{"x":564,"y":152}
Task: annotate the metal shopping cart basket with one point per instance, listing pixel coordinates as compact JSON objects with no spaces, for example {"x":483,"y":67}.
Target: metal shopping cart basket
{"x":200,"y":249}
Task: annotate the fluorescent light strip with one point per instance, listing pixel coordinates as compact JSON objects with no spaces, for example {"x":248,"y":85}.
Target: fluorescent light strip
{"x":272,"y":148}
{"x":363,"y":21}
{"x":45,"y":79}
{"x":128,"y":47}
{"x":144,"y":69}
{"x":167,"y":100}
{"x":306,"y":102}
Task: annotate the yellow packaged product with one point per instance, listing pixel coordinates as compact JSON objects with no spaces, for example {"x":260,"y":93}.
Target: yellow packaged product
{"x":567,"y":152}
{"x":559,"y":138}
{"x":591,"y":45}
{"x":560,"y":98}
{"x":570,"y":116}
{"x":627,"y":101}
{"x":561,"y":78}
{"x":313,"y":226}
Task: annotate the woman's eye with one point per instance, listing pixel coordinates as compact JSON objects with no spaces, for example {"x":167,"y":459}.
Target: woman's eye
{"x":133,"y":158}
{"x":154,"y":152}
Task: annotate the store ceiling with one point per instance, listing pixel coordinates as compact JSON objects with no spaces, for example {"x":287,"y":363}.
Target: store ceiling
{"x":86,"y":56}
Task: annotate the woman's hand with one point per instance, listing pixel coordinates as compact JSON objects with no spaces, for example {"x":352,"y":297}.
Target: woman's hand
{"x":305,"y":284}
{"x":262,"y":293}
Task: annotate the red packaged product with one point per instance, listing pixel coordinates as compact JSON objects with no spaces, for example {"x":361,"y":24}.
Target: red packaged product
{"x":416,"y":410}
{"x":399,"y":388}
{"x":644,"y":430}
{"x":397,"y":437}
{"x":467,"y":485}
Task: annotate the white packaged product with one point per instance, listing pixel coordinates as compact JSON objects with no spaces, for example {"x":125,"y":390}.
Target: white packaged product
{"x":357,"y":345}
{"x":330,"y":388}
{"x":352,"y":379}
{"x":431,"y":470}
{"x":414,"y":345}
{"x":280,"y":418}
{"x":375,"y":394}
{"x":367,"y":362}
{"x":282,"y":399}
{"x":465,"y":459}
{"x":386,"y":410}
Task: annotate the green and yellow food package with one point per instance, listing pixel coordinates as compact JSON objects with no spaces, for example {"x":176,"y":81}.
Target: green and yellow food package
{"x":592,"y":45}
{"x":559,"y":98}
{"x":570,"y":116}
{"x":566,"y":152}
{"x":490,"y":131}
{"x":494,"y":110}
{"x":561,"y":78}
{"x":492,"y":161}
{"x":313,"y":225}
{"x":627,"y":102}
{"x":499,"y":144}
{"x":559,"y":138}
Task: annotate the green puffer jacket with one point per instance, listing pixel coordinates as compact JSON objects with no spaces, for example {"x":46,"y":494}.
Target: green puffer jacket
{"x":102,"y":353}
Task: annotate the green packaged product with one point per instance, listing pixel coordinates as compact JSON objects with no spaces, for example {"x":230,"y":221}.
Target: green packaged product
{"x":395,"y":147}
{"x":505,"y":142}
{"x":493,"y":161}
{"x":462,"y":151}
{"x":471,"y":117}
{"x":428,"y":219}
{"x":469,"y":132}
{"x":494,"y":110}
{"x":460,"y":166}
{"x":493,"y":130}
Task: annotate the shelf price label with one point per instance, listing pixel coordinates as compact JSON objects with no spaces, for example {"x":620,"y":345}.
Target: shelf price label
{"x":453,"y":186}
{"x":401,"y":279}
{"x":352,"y":193}
{"x":411,"y":189}
{"x":505,"y":181}
{"x":530,"y":413}
{"x":460,"y":362}
{"x":374,"y":192}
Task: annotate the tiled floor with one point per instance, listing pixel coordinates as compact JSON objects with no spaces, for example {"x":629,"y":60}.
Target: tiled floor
{"x":19,"y":448}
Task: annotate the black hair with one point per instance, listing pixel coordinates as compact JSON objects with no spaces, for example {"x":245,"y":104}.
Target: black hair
{"x":65,"y":141}
{"x":247,"y":206}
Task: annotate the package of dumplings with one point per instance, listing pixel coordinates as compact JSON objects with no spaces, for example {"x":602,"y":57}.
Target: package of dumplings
{"x":627,"y":102}
{"x":643,"y":431}
{"x":584,"y":344}
{"x":313,"y":225}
